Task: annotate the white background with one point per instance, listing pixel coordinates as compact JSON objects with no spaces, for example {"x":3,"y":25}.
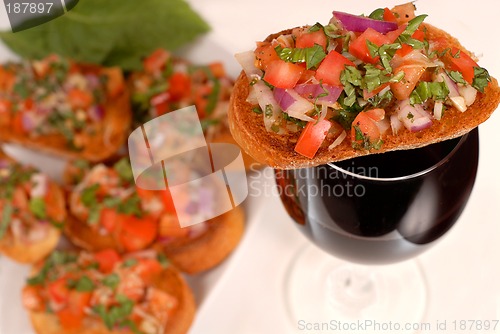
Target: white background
{"x":245,"y":295}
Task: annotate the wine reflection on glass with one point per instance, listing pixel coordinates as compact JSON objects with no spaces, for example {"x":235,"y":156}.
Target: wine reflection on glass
{"x":367,"y":212}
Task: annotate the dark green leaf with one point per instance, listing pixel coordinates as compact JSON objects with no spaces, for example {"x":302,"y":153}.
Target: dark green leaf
{"x":7,"y":212}
{"x":481,"y":79}
{"x":124,"y":170}
{"x":429,"y":90}
{"x":163,"y":260}
{"x":111,"y":281}
{"x":129,"y":263}
{"x":317,"y":27}
{"x":113,"y":32}
{"x":377,"y":14}
{"x":89,"y":198}
{"x":84,"y":284}
{"x":311,"y":56}
{"x":457,"y":77}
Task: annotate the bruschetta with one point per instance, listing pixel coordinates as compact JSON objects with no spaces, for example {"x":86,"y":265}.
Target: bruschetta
{"x":167,"y":83}
{"x":58,"y":106}
{"x":107,"y":210}
{"x":355,"y":86}
{"x":105,"y":293}
{"x":32,"y":212}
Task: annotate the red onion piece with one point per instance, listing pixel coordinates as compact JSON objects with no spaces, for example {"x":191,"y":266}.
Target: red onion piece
{"x":311,"y":91}
{"x":96,"y":113}
{"x":360,"y":24}
{"x":284,"y":99}
{"x":28,"y":121}
{"x":414,"y":118}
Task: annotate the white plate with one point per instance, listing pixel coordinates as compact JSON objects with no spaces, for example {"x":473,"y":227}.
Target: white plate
{"x":245,"y":295}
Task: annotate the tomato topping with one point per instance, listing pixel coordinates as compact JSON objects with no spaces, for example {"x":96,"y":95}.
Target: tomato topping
{"x":80,"y":99}
{"x":179,"y":86}
{"x":107,"y":260}
{"x":156,"y":61}
{"x":308,"y":39}
{"x":58,"y":290}
{"x":403,"y":88}
{"x":389,"y":16}
{"x":54,"y":208}
{"x":160,"y":103}
{"x":376,"y":114}
{"x":331,"y":67}
{"x":109,"y":219}
{"x":312,"y":137}
{"x":18,"y":124}
{"x":457,"y":60}
{"x":282,"y":74}
{"x":137,"y":233}
{"x":265,"y":54}
{"x":71,"y":317}
{"x":366,"y":124}
{"x":5,"y":110}
{"x":148,"y":268}
{"x":161,"y":304}
{"x":7,"y":80}
{"x":359,"y":48}
{"x":31,"y":298}
{"x":217,"y":69}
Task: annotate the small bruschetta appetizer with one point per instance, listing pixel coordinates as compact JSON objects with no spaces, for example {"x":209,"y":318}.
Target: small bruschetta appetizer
{"x":32,"y":212}
{"x":69,"y":109}
{"x":104,"y":293}
{"x":107,"y":210}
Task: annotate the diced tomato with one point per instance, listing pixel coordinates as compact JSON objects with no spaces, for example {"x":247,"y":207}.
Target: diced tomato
{"x":331,"y":67}
{"x":170,"y":227}
{"x":403,"y":88}
{"x":32,"y":299}
{"x":54,"y":206}
{"x":312,"y":137}
{"x":201,"y":100}
{"x":28,"y":104}
{"x":80,"y":99}
{"x":282,"y":74}
{"x":161,"y":304}
{"x":109,"y":219}
{"x":359,"y":48}
{"x":457,"y":60}
{"x":376,"y":114}
{"x":156,"y":61}
{"x":7,"y":80}
{"x":419,"y":35}
{"x":137,"y":233}
{"x":71,"y":317}
{"x":179,"y":86}
{"x":367,"y":95}
{"x":389,"y":16}
{"x":365,"y":123}
{"x":217,"y":69}
{"x":168,"y":202}
{"x":5,"y":111}
{"x":107,"y":260}
{"x":18,"y":124}
{"x":265,"y":54}
{"x":160,"y":103}
{"x":147,"y":268}
{"x":308,"y":39}
{"x":393,"y":35}
{"x":405,"y":49}
{"x":115,"y":83}
{"x":306,"y":76}
{"x":58,"y":290}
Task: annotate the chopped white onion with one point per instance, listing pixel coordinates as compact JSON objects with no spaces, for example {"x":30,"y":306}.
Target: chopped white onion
{"x":459,"y":103}
{"x":247,"y":62}
{"x":438,"y":110}
{"x":338,"y":140}
{"x":396,"y":124}
{"x":324,"y":110}
{"x":452,"y":86}
{"x":414,"y":118}
{"x":300,"y":107}
{"x":266,"y":98}
{"x":252,"y":97}
{"x":383,"y":125}
{"x":469,"y":94}
{"x":40,"y":185}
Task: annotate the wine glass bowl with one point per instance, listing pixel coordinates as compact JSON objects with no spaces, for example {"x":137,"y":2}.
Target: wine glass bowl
{"x":382,"y":208}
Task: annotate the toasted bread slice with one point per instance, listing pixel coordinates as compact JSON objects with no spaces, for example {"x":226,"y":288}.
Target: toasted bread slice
{"x":31,"y":252}
{"x":169,"y":281}
{"x":211,"y":247}
{"x":97,"y":143}
{"x":277,"y":150}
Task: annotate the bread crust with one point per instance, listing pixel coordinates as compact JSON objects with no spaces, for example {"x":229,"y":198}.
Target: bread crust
{"x":169,"y":281}
{"x":23,"y":252}
{"x":277,"y":151}
{"x":109,"y":137}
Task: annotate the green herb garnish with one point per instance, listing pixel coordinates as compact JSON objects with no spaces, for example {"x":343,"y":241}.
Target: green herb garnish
{"x":481,"y":79}
{"x":7,"y":212}
{"x":37,"y":207}
{"x":437,"y":91}
{"x":312,"y":56}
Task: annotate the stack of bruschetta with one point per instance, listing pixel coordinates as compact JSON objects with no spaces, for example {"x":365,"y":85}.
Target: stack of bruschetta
{"x":123,"y":270}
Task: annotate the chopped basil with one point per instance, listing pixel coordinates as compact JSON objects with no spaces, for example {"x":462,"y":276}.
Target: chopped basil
{"x":89,"y":195}
{"x":162,"y":259}
{"x":332,"y":31}
{"x":381,"y":100}
{"x":413,"y":25}
{"x":377,"y":14}
{"x":457,"y":77}
{"x":437,"y":91}
{"x":312,"y":56}
{"x":116,"y":314}
{"x":366,"y":143}
{"x":57,"y":258}
{"x":345,"y":118}
{"x":350,"y":77}
{"x":129,"y":263}
{"x":111,"y":281}
{"x":268,"y":111}
{"x":37,"y":207}
{"x":385,"y":51}
{"x":410,"y":116}
{"x":275,"y":128}
{"x":124,"y":170}
{"x":84,"y":284}
{"x":131,"y":206}
{"x":257,"y":110}
{"x":296,"y":121}
{"x":317,"y":27}
{"x":481,"y":79}
{"x":7,"y":212}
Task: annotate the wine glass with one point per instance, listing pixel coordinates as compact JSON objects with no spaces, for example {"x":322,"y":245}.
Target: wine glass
{"x":367,"y":212}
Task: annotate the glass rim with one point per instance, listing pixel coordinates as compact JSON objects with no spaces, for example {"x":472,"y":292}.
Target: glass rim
{"x":410,"y":176}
